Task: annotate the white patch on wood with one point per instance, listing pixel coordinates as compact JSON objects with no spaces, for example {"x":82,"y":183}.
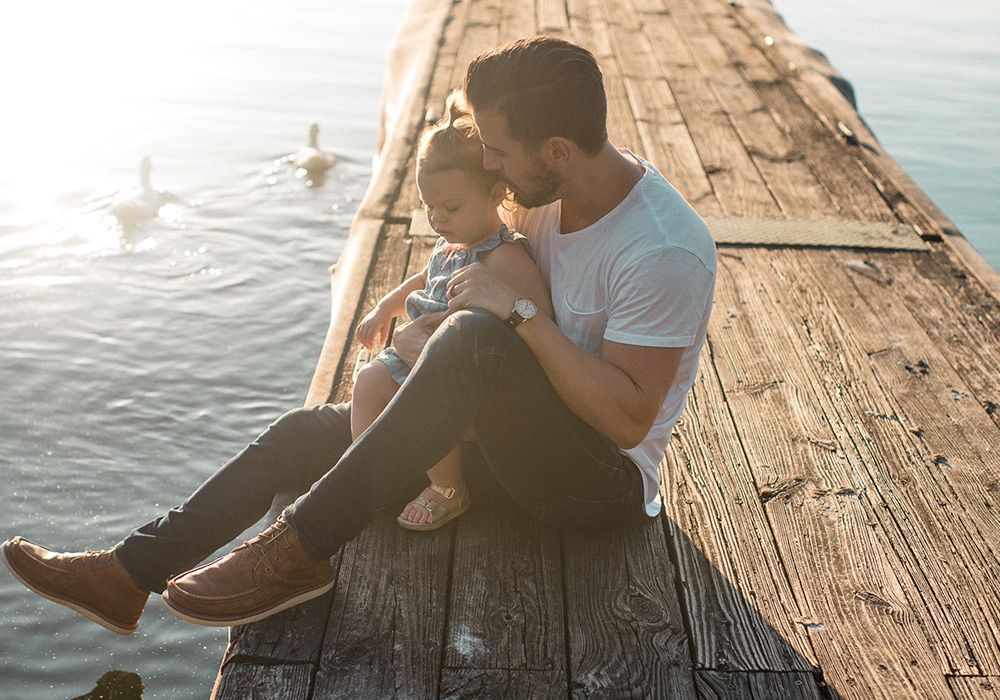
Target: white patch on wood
{"x":468,"y":644}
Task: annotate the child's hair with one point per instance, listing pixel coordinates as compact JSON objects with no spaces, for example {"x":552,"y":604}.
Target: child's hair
{"x":453,"y":143}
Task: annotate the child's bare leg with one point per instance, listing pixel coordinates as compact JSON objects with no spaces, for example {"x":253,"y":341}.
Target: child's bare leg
{"x":374,"y":388}
{"x":445,"y":474}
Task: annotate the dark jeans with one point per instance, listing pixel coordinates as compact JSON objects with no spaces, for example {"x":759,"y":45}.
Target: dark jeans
{"x":474,"y":372}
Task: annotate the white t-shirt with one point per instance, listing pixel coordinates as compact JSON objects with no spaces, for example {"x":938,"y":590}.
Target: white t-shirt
{"x":642,"y":275}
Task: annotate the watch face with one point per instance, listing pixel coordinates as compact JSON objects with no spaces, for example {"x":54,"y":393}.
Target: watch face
{"x":525,"y":308}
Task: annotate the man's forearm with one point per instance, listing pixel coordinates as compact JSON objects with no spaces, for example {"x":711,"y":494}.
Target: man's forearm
{"x":604,"y":395}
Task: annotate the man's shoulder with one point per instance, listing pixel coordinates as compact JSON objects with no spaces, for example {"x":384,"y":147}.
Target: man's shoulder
{"x":661,"y":209}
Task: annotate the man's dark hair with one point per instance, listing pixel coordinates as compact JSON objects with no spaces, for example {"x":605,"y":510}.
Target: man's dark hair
{"x":542,"y":87}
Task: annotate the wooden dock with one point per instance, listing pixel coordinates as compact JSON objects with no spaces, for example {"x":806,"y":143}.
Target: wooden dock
{"x":832,"y":492}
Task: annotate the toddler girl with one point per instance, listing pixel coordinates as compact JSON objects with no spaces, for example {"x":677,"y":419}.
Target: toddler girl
{"x":461,"y":199}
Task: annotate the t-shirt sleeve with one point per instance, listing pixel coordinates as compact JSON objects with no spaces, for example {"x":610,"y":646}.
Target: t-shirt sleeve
{"x":660,"y":300}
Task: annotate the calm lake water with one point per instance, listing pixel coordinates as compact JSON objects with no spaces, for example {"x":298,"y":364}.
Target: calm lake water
{"x":926,"y":75}
{"x":133,"y":365}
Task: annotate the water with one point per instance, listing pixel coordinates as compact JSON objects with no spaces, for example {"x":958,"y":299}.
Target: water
{"x":133,"y":365}
{"x":926,"y":75}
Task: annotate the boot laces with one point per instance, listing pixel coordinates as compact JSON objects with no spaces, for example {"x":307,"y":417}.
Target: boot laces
{"x":267,"y":540}
{"x":87,"y":557}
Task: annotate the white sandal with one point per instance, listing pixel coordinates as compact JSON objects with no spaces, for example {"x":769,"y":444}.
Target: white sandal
{"x":440,"y":515}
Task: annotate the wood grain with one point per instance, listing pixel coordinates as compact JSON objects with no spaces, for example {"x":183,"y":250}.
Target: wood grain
{"x":831,"y":493}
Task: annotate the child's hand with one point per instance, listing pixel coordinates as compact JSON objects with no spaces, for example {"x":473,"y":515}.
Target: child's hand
{"x":374,"y":328}
{"x":410,"y":338}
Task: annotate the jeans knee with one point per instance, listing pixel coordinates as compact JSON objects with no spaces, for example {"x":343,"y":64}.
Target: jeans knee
{"x":472,"y":320}
{"x":305,"y":426}
{"x":291,"y":421}
{"x":468,"y":328}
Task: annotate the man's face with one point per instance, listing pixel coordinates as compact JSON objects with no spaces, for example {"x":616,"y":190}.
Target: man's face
{"x":530,"y":179}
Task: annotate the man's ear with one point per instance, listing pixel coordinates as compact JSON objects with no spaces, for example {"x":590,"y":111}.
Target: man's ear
{"x":558,"y":149}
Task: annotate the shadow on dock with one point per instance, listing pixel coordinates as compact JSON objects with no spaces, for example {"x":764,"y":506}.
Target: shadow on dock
{"x":499,"y":605}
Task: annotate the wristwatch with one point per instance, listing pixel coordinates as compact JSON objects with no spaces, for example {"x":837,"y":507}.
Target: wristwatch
{"x":524,"y":310}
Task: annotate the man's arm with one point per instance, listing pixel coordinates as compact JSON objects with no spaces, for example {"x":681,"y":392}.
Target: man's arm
{"x":618,"y":394}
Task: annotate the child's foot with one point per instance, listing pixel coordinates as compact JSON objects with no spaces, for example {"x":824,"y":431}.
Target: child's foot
{"x":434,"y":507}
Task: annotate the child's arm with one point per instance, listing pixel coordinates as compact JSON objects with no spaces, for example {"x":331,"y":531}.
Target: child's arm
{"x":511,"y":263}
{"x":374,"y":327}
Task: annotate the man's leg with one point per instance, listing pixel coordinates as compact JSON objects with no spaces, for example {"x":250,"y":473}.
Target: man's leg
{"x":111,"y":587}
{"x":473,"y":372}
{"x":290,"y":455}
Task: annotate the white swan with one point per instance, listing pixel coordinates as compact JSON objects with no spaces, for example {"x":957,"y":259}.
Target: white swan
{"x":138,"y":204}
{"x":310,"y":160}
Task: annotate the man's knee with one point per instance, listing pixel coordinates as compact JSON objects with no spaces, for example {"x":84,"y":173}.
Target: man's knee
{"x":302,"y":424}
{"x":475,"y":339}
{"x":293,"y":421}
{"x":470,"y":326}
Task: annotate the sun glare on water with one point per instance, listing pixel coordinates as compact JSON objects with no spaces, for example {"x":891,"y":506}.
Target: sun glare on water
{"x":80,"y":86}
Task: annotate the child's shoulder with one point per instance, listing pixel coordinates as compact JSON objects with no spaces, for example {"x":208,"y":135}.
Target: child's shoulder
{"x":501,"y":238}
{"x":509,"y":235}
{"x":512,"y":247}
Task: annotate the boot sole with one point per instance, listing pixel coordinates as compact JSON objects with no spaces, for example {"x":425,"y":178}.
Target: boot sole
{"x":75,"y":607}
{"x":252,"y":617}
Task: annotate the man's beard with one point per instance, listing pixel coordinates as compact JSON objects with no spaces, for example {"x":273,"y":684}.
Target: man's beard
{"x":541,"y":189}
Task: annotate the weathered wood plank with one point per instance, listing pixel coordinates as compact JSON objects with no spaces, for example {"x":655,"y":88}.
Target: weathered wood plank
{"x":553,"y":18}
{"x":727,"y":164}
{"x":781,"y":164}
{"x":829,"y":109}
{"x":506,"y":607}
{"x":975,"y":687}
{"x":741,"y":611}
{"x":265,"y":682}
{"x":517,"y":20}
{"x":930,"y":450}
{"x":481,"y":33}
{"x":665,"y":138}
{"x":717,"y":685}
{"x":866,"y":637}
{"x":836,"y":167}
{"x":959,"y":314}
{"x":384,"y":273}
{"x":623,"y":618}
{"x":292,"y":636}
{"x":473,"y":684}
{"x":589,"y":28}
{"x":387,"y":620}
{"x":447,"y":75}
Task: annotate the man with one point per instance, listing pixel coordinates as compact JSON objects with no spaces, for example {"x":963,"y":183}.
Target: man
{"x":572,"y":416}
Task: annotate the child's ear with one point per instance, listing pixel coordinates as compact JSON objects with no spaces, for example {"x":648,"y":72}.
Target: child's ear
{"x":498,"y":193}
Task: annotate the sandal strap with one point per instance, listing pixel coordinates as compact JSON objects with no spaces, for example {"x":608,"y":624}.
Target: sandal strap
{"x":434,"y":508}
{"x":448,"y":493}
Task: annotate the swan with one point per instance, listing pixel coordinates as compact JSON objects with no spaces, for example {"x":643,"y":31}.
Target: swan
{"x":144,"y":202}
{"x":311,"y":159}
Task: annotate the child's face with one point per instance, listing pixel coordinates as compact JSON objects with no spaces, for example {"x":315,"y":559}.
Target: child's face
{"x":456,"y":206}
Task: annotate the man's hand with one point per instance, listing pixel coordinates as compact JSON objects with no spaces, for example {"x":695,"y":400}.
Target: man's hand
{"x":476,"y":287}
{"x":410,"y":339}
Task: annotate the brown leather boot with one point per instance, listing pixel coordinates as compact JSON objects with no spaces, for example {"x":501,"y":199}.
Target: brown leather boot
{"x":93,"y":584}
{"x":266,"y":575}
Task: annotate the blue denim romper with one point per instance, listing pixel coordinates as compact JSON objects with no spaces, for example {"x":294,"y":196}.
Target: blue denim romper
{"x":444,"y":260}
